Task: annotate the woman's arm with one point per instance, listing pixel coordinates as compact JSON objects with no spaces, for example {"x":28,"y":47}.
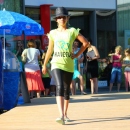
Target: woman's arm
{"x":81,"y":59}
{"x":48,"y":55}
{"x":78,"y":66}
{"x":97,"y":56}
{"x":49,"y":73}
{"x":119,"y":60}
{"x":24,"y":52}
{"x":111,"y":59}
{"x":123,"y":64}
{"x":84,"y":42}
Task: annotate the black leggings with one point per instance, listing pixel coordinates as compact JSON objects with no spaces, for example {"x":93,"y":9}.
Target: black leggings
{"x":63,"y":80}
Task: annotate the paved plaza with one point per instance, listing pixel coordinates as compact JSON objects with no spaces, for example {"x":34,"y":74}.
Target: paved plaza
{"x":105,"y":111}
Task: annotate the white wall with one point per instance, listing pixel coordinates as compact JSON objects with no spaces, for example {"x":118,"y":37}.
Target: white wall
{"x":78,"y":4}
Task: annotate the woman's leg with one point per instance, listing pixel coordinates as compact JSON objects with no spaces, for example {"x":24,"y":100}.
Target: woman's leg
{"x":60,"y":103}
{"x":118,"y":87}
{"x":92,"y":86}
{"x":119,"y":79}
{"x":126,"y":81}
{"x":52,"y":89}
{"x":46,"y":92}
{"x":113,"y":76}
{"x":129,"y":79}
{"x":66,"y":104}
{"x":95,"y":85}
{"x":63,"y":80}
{"x":38,"y":94}
{"x":67,"y":78}
{"x":82,"y":84}
{"x":72,"y":87}
{"x":31,"y":94}
{"x":111,"y":85}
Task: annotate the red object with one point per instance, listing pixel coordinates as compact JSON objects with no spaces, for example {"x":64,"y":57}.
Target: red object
{"x":45,"y":41}
{"x":45,"y":20}
{"x":22,"y":38}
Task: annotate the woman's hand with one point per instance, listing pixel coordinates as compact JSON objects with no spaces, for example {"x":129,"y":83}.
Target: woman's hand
{"x":44,"y":69}
{"x":73,"y":55}
{"x":89,"y":58}
{"x":80,"y":60}
{"x":50,"y":76}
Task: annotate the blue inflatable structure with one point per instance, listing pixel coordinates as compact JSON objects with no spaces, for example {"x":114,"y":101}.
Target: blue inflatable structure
{"x":1,"y":77}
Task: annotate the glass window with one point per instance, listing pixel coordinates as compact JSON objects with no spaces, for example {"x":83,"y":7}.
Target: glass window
{"x":12,"y":5}
{"x":106,"y":32}
{"x":123,"y":19}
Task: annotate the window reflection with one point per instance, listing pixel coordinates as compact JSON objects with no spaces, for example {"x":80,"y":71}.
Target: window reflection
{"x":106,"y":32}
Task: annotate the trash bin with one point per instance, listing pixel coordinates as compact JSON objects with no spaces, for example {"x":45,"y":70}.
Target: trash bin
{"x":1,"y":77}
{"x":11,"y":80}
{"x":11,"y":88}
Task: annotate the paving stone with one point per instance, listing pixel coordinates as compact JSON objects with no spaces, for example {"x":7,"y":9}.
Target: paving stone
{"x":104,"y":111}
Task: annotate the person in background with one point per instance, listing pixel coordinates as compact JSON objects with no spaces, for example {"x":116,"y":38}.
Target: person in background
{"x":38,"y":46}
{"x":19,"y":49}
{"x":32,"y":69}
{"x":116,"y":68}
{"x":60,"y":44}
{"x":80,"y":62}
{"x":126,"y":64}
{"x":18,"y":52}
{"x":80,"y":58}
{"x":52,"y":86}
{"x":92,"y":56}
{"x":77,"y":75}
{"x":46,"y":78}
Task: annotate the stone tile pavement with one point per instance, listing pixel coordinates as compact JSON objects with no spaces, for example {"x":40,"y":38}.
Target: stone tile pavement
{"x":104,"y":111}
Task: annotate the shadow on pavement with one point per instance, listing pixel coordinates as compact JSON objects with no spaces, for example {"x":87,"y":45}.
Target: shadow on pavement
{"x":82,"y":121}
{"x":80,"y":98}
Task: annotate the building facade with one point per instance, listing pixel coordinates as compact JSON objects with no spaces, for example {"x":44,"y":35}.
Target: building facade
{"x":96,"y":20}
{"x":123,"y":23}
{"x":105,"y":22}
{"x":12,"y":5}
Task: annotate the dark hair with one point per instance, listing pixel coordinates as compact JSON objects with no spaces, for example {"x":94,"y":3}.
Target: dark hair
{"x":17,"y":44}
{"x":5,"y":41}
{"x":127,"y":50}
{"x":38,"y":43}
{"x":89,"y":40}
{"x":31,"y":44}
{"x":76,"y":40}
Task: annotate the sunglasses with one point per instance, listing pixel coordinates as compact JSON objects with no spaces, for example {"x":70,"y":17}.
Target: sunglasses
{"x":61,"y":17}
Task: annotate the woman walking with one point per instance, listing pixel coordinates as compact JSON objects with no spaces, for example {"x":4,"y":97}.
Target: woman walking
{"x":60,"y":44}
